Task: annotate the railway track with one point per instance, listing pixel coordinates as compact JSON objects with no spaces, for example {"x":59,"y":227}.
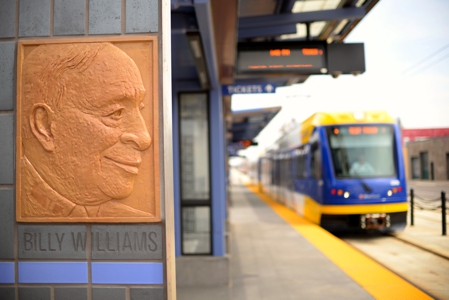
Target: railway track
{"x":418,"y":265}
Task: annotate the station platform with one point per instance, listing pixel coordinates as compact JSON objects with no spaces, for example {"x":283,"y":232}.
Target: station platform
{"x":276,"y":254}
{"x":426,"y":234}
{"x":427,"y":230}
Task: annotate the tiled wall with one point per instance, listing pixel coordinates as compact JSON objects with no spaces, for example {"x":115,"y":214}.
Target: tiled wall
{"x":85,"y":261}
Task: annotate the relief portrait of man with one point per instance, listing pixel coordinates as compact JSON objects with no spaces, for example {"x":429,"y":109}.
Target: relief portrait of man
{"x":83,"y":136}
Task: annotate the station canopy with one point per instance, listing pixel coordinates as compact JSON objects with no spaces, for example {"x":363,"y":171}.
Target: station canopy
{"x":270,"y":22}
{"x":246,"y":125}
{"x":207,"y":36}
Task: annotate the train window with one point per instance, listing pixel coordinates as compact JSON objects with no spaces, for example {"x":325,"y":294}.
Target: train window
{"x":285,"y":172}
{"x":276,"y":171}
{"x":362,"y":151}
{"x":301,"y":166}
{"x":288,"y":171}
{"x":316,"y":161}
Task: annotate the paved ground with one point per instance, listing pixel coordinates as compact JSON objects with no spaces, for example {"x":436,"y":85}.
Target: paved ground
{"x":419,"y":267}
{"x":284,"y":267}
{"x":425,"y":270}
{"x":427,"y":229}
{"x":271,"y":261}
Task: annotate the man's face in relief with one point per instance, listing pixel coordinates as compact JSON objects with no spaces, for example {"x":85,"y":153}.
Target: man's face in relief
{"x":99,"y":133}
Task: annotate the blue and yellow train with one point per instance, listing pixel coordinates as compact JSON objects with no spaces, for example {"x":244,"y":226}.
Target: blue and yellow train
{"x":340,"y":170}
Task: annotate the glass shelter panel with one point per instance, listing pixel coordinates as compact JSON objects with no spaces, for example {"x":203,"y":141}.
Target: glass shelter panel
{"x":362,"y":151}
{"x":194,"y":146}
{"x":196,"y":233}
{"x":196,"y":230}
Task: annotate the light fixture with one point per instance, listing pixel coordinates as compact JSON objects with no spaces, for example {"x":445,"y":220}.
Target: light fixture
{"x":340,"y":27}
{"x":194,"y":45}
{"x":360,"y":3}
{"x":196,"y":48}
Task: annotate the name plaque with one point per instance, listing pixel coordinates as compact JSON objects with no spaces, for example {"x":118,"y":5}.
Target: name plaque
{"x":43,"y":241}
{"x":106,"y":242}
{"x":126,"y":242}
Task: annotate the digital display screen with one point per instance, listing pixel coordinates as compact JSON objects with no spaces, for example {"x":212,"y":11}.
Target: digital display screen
{"x":357,"y":130}
{"x":282,"y":58}
{"x":361,"y":130}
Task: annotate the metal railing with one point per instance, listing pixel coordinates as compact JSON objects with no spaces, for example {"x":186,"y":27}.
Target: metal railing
{"x":429,"y":204}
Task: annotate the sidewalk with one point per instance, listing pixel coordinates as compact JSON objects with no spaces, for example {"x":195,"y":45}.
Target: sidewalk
{"x":426,"y":233}
{"x":443,"y":183}
{"x":427,"y":230}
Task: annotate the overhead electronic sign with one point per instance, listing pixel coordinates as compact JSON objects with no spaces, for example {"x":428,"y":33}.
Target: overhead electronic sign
{"x":299,"y":58}
{"x":282,"y":58}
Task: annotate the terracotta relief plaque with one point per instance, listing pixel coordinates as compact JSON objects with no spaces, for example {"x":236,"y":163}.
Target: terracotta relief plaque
{"x":87,"y":131}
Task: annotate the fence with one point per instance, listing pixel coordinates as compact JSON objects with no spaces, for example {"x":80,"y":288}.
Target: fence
{"x":429,"y":204}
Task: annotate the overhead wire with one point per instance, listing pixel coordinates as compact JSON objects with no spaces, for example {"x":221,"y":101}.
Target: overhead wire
{"x":428,"y":66}
{"x":424,"y":60}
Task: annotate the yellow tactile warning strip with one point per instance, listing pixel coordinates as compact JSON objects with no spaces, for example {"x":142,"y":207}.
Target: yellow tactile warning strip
{"x":374,"y":278}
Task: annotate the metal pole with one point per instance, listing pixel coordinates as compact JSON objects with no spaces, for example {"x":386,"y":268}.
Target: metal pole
{"x":308,"y":31}
{"x":443,"y":211}
{"x":167,"y":186}
{"x":412,"y":222}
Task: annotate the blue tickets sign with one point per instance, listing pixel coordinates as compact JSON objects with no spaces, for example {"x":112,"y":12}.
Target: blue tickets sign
{"x":266,"y":88}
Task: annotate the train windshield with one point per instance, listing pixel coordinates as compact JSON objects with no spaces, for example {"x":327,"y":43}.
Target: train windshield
{"x":362,"y":151}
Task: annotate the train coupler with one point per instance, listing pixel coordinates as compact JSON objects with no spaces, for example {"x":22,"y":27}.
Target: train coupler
{"x":375,"y":221}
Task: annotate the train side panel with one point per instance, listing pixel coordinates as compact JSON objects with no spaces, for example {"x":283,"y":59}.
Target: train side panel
{"x":305,"y":179}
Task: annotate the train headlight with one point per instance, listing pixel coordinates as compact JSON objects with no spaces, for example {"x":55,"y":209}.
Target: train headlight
{"x":389,"y":193}
{"x":359,"y":115}
{"x":346,"y":195}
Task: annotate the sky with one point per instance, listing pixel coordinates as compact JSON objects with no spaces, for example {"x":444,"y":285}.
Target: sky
{"x":404,"y":73}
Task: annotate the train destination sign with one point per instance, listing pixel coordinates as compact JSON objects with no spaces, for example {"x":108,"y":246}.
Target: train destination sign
{"x":282,"y":58}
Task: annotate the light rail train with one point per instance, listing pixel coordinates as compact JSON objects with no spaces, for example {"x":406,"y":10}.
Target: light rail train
{"x":341,"y":171}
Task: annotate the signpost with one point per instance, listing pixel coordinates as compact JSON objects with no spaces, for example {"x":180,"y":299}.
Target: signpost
{"x":264,"y":88}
